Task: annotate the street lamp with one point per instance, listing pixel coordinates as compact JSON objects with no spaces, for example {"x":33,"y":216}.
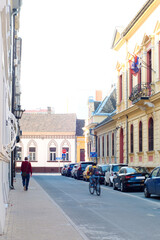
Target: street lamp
{"x":18,"y":112}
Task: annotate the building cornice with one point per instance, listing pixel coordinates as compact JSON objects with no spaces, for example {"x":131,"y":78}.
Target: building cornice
{"x":36,"y":136}
{"x":136,"y":23}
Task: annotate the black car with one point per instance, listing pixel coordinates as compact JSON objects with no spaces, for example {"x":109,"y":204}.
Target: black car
{"x":102,"y":168}
{"x":80,"y":169}
{"x":69,"y":169}
{"x":152,"y":183}
{"x":130,"y":177}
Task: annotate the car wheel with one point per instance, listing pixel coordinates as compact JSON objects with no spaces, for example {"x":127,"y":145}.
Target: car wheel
{"x":122,"y":187}
{"x":114,"y":186}
{"x":146,"y":193}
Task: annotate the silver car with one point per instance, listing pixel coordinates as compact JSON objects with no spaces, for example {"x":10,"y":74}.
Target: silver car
{"x":110,"y":173}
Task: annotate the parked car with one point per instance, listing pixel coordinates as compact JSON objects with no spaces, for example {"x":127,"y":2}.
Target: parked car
{"x":110,"y":173}
{"x":63,"y":170}
{"x":152,"y":183}
{"x":102,"y":168}
{"x":69,"y":169}
{"x":80,"y":169}
{"x":73,"y":170}
{"x":129,"y":177}
{"x":85,"y":173}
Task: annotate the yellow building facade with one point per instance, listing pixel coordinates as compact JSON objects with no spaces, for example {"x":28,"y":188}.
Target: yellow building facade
{"x":138,"y":88}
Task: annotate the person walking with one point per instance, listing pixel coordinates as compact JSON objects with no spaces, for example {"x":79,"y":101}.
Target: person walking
{"x":26,"y":170}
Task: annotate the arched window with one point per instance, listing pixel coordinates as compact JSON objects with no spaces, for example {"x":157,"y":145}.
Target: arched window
{"x":150,"y":135}
{"x":131,"y":135}
{"x":140,"y":137}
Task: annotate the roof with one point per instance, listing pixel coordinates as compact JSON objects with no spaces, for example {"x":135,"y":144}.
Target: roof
{"x":108,"y":105}
{"x":79,"y":125}
{"x":121,"y":33}
{"x":105,"y":121}
{"x":48,"y":122}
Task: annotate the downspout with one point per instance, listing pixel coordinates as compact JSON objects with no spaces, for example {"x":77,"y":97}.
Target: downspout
{"x":127,"y":139}
{"x":90,"y":131}
{"x":127,"y":101}
{"x":13,"y":93}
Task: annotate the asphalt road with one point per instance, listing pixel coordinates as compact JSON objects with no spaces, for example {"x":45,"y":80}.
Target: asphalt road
{"x":113,"y":215}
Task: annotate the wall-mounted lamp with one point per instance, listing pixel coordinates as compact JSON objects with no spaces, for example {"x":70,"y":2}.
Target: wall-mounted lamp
{"x":18,"y":112}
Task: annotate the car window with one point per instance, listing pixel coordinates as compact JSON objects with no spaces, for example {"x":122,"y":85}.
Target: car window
{"x":154,"y":173}
{"x":116,"y":168}
{"x":107,"y":170}
{"x":122,"y":170}
{"x":131,"y":170}
{"x":158,"y":174}
{"x":104,"y":168}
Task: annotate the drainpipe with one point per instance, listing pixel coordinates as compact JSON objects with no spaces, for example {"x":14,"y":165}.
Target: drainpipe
{"x":15,"y":11}
{"x":127,"y":139}
{"x":90,"y":131}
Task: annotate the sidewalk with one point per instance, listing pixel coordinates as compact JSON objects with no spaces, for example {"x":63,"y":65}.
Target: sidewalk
{"x":33,"y":215}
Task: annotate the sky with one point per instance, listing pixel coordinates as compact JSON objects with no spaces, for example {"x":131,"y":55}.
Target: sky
{"x":66,"y":51}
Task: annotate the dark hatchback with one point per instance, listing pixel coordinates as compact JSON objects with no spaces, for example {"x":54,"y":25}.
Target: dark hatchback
{"x":152,"y":183}
{"x":130,"y":177}
{"x":69,"y":169}
{"x":81,"y":168}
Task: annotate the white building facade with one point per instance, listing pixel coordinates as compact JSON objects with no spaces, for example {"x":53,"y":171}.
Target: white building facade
{"x":44,"y":139}
{"x":8,"y":122}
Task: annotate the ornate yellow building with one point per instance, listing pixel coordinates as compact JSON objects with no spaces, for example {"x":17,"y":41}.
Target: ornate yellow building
{"x":138,"y":88}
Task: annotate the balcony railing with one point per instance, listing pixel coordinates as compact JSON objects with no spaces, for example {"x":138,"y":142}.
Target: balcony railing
{"x":141,"y":91}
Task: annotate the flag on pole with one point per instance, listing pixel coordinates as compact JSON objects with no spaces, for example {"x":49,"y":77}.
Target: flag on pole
{"x":135,"y":65}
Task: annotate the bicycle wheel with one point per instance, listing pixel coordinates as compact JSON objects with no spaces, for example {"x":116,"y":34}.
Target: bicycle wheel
{"x":98,"y":189}
{"x":91,"y":188}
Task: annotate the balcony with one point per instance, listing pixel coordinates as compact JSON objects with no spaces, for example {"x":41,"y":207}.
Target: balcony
{"x":141,"y":92}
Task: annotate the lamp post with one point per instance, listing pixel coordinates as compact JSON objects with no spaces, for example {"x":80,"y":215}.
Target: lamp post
{"x":18,"y":112}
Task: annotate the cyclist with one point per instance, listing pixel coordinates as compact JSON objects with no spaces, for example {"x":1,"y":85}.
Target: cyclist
{"x":93,"y":172}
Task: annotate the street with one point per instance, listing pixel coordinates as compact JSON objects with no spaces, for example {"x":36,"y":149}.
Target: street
{"x":113,"y":215}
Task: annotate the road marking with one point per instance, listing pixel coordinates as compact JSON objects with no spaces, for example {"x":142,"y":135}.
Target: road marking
{"x":133,"y":196}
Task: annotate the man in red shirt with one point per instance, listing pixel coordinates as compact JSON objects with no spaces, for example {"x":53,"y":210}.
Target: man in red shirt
{"x":26,"y":170}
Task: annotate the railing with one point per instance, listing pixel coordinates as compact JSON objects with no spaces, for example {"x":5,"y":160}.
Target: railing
{"x":141,"y":90}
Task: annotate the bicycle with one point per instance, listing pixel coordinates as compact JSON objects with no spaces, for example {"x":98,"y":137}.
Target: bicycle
{"x":95,"y":186}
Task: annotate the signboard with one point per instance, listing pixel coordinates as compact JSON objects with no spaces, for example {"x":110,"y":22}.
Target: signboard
{"x":63,"y":155}
{"x":93,"y":154}
{"x":59,"y":158}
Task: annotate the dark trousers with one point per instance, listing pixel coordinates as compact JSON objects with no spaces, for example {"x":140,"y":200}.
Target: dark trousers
{"x":25,"y":181}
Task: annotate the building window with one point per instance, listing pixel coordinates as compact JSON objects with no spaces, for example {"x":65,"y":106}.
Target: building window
{"x":140,"y":136}
{"x":149,"y":67}
{"x":120,"y":88}
{"x":107,"y":145}
{"x":66,"y":156}
{"x":82,"y":155}
{"x":103,"y":146}
{"x":18,"y":154}
{"x":150,"y":135}
{"x":112,"y":144}
{"x":32,"y":153}
{"x":52,"y":154}
{"x":131,"y":135}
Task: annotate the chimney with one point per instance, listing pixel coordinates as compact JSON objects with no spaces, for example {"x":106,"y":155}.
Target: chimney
{"x":49,"y":110}
{"x":98,"y":95}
